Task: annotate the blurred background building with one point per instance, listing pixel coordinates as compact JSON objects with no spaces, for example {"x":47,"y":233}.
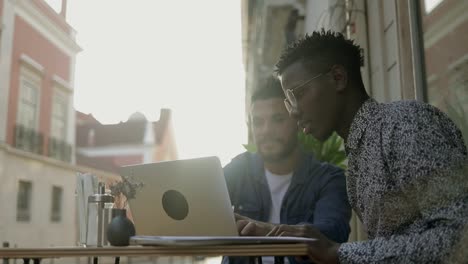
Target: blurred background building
{"x":445,"y":27}
{"x":37,"y":120}
{"x":40,"y":131}
{"x":109,"y":146}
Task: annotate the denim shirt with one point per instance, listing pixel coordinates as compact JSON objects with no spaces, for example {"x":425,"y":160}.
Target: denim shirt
{"x":316,"y":195}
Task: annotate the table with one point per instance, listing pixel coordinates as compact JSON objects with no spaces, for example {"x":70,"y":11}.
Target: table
{"x":36,"y":254}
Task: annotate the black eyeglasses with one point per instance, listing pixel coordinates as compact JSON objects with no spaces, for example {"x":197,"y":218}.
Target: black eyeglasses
{"x":291,"y":100}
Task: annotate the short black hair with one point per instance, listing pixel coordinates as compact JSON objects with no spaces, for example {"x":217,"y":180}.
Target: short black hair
{"x":326,"y":47}
{"x":269,"y":88}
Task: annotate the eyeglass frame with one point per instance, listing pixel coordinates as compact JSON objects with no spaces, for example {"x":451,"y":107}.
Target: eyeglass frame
{"x":291,"y":101}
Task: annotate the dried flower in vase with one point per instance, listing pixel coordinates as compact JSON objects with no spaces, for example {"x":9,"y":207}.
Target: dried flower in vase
{"x":124,"y":190}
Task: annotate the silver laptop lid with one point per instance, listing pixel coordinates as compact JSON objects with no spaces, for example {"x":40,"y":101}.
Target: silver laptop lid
{"x":181,"y":198}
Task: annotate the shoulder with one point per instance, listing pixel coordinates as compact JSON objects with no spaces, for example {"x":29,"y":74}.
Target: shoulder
{"x":416,"y":117}
{"x":423,"y":131}
{"x":238,"y":160}
{"x":239,"y":164}
{"x":410,"y":111}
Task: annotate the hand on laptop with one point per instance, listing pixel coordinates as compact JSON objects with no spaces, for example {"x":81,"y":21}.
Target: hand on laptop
{"x":322,"y":250}
{"x":250,"y":227}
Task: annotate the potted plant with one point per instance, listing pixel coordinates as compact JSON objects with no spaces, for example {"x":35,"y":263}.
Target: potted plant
{"x":120,"y":229}
{"x":124,"y":190}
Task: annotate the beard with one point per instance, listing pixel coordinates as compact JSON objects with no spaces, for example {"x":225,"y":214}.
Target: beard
{"x":285,"y":150}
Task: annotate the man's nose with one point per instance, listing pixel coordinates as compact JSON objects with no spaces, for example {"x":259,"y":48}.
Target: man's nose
{"x":266,"y":129}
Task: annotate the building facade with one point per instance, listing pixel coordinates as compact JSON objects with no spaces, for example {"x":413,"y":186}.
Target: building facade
{"x":445,"y":31}
{"x":138,"y":140}
{"x":37,"y":125}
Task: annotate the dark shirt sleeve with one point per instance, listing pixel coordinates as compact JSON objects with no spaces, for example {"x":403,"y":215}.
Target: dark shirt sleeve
{"x":229,"y":172}
{"x":332,"y":211}
{"x":233,"y":172}
{"x":426,"y":159}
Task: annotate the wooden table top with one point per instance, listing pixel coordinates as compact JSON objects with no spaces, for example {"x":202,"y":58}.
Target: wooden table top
{"x":220,"y":250}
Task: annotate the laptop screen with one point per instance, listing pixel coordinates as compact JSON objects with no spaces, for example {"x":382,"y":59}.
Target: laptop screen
{"x":181,"y":198}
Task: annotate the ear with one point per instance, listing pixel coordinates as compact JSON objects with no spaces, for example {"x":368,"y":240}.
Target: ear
{"x":340,"y":77}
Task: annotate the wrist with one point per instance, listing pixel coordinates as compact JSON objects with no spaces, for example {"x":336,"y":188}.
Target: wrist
{"x":333,"y":253}
{"x":269,"y":228}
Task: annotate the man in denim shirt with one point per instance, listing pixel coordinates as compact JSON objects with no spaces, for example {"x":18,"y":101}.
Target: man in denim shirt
{"x":282,"y":184}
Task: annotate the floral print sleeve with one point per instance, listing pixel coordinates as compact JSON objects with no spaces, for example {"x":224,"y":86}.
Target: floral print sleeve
{"x":415,"y":203}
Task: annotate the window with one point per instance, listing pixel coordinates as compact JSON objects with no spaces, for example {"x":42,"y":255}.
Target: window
{"x":27,"y":136}
{"x":56,"y":207}
{"x":23,"y":203}
{"x":457,"y":98}
{"x":458,"y":82}
{"x":55,"y":4}
{"x":431,"y":4}
{"x":447,"y":59}
{"x":434,"y":95}
{"x":28,"y":105}
{"x":59,"y":115}
{"x":58,"y":146}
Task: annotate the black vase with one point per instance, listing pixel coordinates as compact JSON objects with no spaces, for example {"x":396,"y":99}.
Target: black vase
{"x":120,"y":228}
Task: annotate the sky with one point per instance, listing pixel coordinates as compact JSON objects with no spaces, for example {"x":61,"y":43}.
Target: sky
{"x":144,"y":55}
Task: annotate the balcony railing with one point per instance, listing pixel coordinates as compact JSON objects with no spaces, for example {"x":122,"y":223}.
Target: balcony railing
{"x":28,"y":139}
{"x":59,"y":149}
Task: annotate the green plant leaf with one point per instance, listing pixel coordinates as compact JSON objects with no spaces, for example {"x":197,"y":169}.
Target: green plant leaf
{"x":250,"y":147}
{"x":330,"y":151}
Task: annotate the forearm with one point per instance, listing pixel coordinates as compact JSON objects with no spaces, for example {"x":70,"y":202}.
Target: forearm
{"x":432,"y":246}
{"x":337,"y":231}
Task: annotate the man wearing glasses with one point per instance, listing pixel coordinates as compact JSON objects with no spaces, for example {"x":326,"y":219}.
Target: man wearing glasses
{"x":281,"y":183}
{"x":407,"y":162}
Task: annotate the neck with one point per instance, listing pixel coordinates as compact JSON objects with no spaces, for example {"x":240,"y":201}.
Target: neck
{"x":351,"y":107}
{"x":286,"y":165}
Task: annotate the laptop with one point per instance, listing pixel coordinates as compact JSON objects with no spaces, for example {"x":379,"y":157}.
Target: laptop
{"x":186,"y":203}
{"x":181,"y":198}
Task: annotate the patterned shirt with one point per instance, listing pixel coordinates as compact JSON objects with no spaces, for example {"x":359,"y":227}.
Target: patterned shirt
{"x":407,"y":181}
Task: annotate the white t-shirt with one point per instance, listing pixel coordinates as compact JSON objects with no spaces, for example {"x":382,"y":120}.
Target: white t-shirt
{"x":278,"y":185}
